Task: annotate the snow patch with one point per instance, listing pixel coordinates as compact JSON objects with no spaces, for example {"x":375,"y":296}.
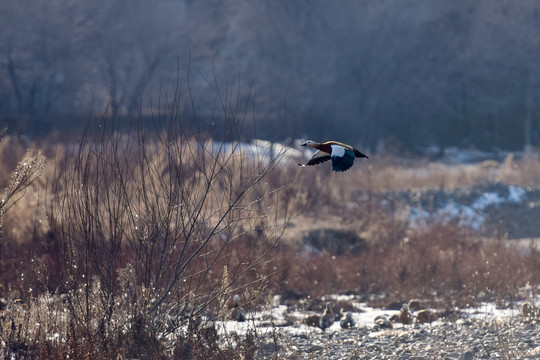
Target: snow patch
{"x":516,"y":193}
{"x":460,"y":206}
{"x":487,"y":199}
{"x":258,"y":150}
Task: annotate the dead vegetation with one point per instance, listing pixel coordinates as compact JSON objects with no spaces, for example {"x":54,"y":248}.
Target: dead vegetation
{"x":134,"y":244}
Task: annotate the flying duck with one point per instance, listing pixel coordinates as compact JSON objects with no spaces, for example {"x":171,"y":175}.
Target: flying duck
{"x":342,"y":155}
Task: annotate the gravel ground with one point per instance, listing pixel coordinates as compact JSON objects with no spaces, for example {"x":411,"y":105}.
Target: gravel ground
{"x":460,"y":340}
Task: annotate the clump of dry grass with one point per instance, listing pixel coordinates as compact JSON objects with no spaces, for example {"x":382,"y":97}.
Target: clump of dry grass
{"x":443,"y":263}
{"x":11,"y":152}
{"x":27,"y":171}
{"x":46,"y":327}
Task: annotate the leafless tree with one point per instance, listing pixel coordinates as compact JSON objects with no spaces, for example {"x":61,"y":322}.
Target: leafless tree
{"x":457,"y":73}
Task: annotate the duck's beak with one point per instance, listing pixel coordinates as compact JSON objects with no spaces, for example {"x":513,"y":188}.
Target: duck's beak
{"x":304,"y":144}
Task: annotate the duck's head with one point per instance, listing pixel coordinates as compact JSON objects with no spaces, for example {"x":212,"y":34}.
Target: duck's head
{"x":310,"y":143}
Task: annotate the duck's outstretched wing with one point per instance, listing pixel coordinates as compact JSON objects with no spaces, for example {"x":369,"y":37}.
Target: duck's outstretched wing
{"x":318,"y":158}
{"x":342,"y":162}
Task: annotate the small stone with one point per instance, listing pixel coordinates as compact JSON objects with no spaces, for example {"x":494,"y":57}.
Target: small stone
{"x":373,"y":347}
{"x":463,"y":322}
{"x":405,"y":316}
{"x":314,"y":348}
{"x":270,"y":347}
{"x":452,"y":356}
{"x":425,"y":316}
{"x":312,"y":320}
{"x":382,"y":322}
{"x":466,"y":356}
{"x":528,"y":310}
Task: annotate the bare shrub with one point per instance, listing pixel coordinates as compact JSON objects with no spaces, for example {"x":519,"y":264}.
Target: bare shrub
{"x":152,"y":229}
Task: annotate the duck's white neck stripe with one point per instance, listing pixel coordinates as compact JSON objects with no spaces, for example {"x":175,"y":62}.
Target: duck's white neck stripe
{"x":337,"y":150}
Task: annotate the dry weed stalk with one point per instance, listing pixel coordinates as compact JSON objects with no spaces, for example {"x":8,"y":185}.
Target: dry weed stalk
{"x":26,"y":172}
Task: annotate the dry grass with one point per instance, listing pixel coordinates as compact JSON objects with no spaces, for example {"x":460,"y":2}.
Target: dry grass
{"x":91,"y":260}
{"x":443,"y":264}
{"x":447,"y":264}
{"x":385,"y":174}
{"x":45,"y":328}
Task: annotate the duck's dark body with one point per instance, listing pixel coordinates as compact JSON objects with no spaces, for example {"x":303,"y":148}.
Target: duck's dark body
{"x":342,"y":155}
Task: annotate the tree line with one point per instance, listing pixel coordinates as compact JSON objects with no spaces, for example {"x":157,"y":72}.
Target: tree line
{"x":413,"y":73}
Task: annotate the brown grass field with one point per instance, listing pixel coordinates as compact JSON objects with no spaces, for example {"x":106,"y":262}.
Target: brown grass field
{"x":116,"y":244}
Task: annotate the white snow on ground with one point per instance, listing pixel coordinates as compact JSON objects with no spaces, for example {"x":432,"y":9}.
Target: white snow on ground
{"x":466,"y":215}
{"x":455,"y":155}
{"x":490,"y":311}
{"x":516,"y":193}
{"x":259,"y":150}
{"x":487,"y":199}
{"x":363,"y":318}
